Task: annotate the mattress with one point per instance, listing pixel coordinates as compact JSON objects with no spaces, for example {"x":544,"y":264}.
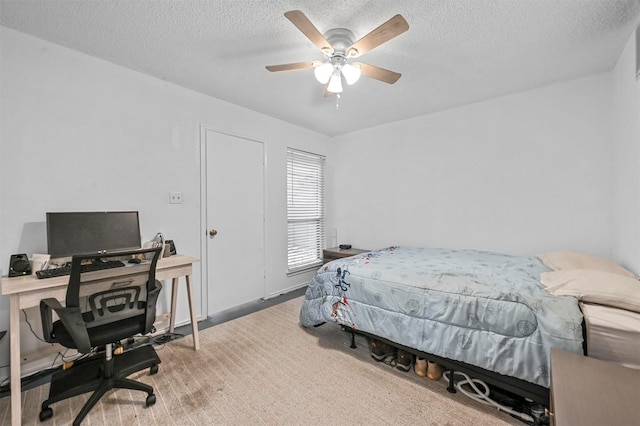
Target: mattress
{"x":482,"y":308}
{"x":612,"y":334}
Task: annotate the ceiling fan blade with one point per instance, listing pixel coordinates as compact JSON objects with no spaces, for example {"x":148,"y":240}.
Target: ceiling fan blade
{"x":385,"y":32}
{"x":303,"y":23}
{"x":378,"y":73}
{"x":292,"y":67}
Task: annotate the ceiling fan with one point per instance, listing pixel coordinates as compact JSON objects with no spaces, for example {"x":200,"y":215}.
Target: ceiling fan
{"x":339,"y":47}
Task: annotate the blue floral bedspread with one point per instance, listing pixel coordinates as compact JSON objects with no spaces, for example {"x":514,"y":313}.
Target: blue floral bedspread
{"x":486,"y":309}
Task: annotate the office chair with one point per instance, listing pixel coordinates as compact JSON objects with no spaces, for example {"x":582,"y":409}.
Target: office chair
{"x":94,"y":319}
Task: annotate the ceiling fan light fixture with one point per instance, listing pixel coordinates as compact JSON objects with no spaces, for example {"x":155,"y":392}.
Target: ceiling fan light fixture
{"x":335,"y":83}
{"x":323,"y":72}
{"x":351,"y":73}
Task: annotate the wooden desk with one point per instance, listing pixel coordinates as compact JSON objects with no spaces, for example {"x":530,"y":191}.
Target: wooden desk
{"x":26,"y":292}
{"x":587,"y":391}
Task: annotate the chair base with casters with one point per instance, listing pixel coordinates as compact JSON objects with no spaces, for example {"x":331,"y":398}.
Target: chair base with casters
{"x":77,"y":380}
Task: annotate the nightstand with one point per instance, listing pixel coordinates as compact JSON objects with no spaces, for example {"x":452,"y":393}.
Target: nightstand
{"x":587,"y":391}
{"x":334,"y":253}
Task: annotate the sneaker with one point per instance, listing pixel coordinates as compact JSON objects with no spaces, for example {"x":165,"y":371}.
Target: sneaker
{"x":381,"y":350}
{"x":404,"y":360}
{"x":421,"y":367}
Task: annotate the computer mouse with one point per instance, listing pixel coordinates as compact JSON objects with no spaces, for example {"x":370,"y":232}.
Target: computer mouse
{"x":135,"y":260}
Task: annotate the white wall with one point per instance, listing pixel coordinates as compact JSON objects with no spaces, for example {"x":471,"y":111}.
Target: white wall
{"x":626,"y":159}
{"x":524,"y":173}
{"x":79,"y":133}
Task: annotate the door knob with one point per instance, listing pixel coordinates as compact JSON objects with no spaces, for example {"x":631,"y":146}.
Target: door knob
{"x":212,"y":232}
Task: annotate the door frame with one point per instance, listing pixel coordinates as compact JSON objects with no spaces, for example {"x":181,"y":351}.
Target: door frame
{"x":204,"y":262}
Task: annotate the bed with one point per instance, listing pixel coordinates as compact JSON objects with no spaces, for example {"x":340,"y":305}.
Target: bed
{"x":488,"y":313}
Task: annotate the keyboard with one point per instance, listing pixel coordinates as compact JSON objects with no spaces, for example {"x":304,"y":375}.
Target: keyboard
{"x":88,"y":267}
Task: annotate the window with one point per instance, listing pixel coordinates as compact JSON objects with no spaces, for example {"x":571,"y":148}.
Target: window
{"x":305,"y":210}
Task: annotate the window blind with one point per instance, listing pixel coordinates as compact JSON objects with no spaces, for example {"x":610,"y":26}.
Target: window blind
{"x":305,"y":209}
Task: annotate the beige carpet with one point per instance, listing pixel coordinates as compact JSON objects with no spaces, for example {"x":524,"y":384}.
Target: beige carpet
{"x":265,"y":369}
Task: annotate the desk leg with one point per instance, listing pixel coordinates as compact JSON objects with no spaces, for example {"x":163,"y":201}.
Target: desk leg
{"x":174,"y":303}
{"x":192,"y":312}
{"x":194,"y":323}
{"x":14,"y":344}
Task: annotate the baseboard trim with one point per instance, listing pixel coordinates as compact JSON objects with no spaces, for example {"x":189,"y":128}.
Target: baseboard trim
{"x":285,"y":291}
{"x":248,"y":308}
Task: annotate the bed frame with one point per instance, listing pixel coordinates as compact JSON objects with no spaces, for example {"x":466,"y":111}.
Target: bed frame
{"x":522,"y":388}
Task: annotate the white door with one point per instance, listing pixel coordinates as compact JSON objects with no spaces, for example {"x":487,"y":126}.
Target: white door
{"x":234,"y":220}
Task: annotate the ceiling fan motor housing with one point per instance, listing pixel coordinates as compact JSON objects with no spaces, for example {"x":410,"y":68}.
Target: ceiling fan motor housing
{"x":340,"y":39}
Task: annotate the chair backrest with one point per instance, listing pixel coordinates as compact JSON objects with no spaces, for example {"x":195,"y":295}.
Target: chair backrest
{"x":114,"y":305}
{"x":106,"y":309}
{"x":77,"y":276}
{"x":127,"y":297}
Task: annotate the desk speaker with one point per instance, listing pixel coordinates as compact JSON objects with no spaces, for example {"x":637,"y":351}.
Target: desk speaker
{"x":19,"y":265}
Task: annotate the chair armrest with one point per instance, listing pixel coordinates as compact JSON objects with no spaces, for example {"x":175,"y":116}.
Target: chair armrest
{"x":72,"y":320}
{"x":152,"y":298}
{"x":47,"y":306}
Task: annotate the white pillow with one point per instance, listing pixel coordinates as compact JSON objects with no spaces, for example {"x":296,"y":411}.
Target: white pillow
{"x":590,"y":286}
{"x":561,"y":260}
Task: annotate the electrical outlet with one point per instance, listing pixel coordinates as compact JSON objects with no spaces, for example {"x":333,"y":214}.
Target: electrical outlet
{"x":175,"y":198}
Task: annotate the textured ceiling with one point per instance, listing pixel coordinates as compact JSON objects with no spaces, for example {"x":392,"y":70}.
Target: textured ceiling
{"x":455,"y":51}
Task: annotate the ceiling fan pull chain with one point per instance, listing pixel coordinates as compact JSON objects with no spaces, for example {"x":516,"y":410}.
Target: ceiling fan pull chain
{"x":337,"y":100}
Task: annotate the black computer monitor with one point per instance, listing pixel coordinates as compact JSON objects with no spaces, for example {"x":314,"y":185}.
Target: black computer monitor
{"x":70,"y":233}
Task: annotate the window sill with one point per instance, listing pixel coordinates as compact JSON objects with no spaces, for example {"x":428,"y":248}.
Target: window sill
{"x":304,"y":269}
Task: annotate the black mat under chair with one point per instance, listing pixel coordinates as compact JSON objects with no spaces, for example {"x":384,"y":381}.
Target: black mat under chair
{"x":97,"y":315}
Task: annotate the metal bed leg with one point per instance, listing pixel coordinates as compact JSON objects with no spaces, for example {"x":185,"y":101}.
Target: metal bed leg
{"x":451,"y":388}
{"x":353,"y":336}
